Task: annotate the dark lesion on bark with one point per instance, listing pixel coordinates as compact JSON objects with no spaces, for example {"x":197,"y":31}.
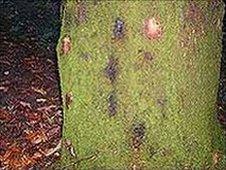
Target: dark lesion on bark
{"x":138,"y":134}
{"x":112,"y":103}
{"x":119,"y":28}
{"x":111,"y":70}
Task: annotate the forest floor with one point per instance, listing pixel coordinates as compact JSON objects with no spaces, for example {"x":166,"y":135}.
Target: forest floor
{"x":30,"y":98}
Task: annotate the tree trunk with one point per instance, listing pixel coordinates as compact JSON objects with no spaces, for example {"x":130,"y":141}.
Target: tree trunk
{"x":139,"y":81}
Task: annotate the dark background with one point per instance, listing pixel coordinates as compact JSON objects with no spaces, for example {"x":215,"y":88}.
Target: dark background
{"x":30,"y":20}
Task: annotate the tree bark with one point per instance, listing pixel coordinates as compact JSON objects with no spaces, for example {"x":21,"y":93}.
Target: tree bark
{"x":136,"y":98}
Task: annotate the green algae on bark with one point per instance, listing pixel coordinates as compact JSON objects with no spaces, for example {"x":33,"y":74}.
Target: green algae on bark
{"x":164,"y":89}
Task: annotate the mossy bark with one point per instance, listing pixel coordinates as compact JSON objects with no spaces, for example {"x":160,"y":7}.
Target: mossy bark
{"x":136,"y":102}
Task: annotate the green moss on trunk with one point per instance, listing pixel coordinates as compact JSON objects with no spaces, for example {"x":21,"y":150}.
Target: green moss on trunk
{"x":164,"y":91}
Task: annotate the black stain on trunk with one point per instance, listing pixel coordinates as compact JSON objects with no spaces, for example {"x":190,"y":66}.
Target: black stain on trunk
{"x":112,"y":103}
{"x":138,"y":134}
{"x":111,"y":70}
{"x":119,"y":28}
